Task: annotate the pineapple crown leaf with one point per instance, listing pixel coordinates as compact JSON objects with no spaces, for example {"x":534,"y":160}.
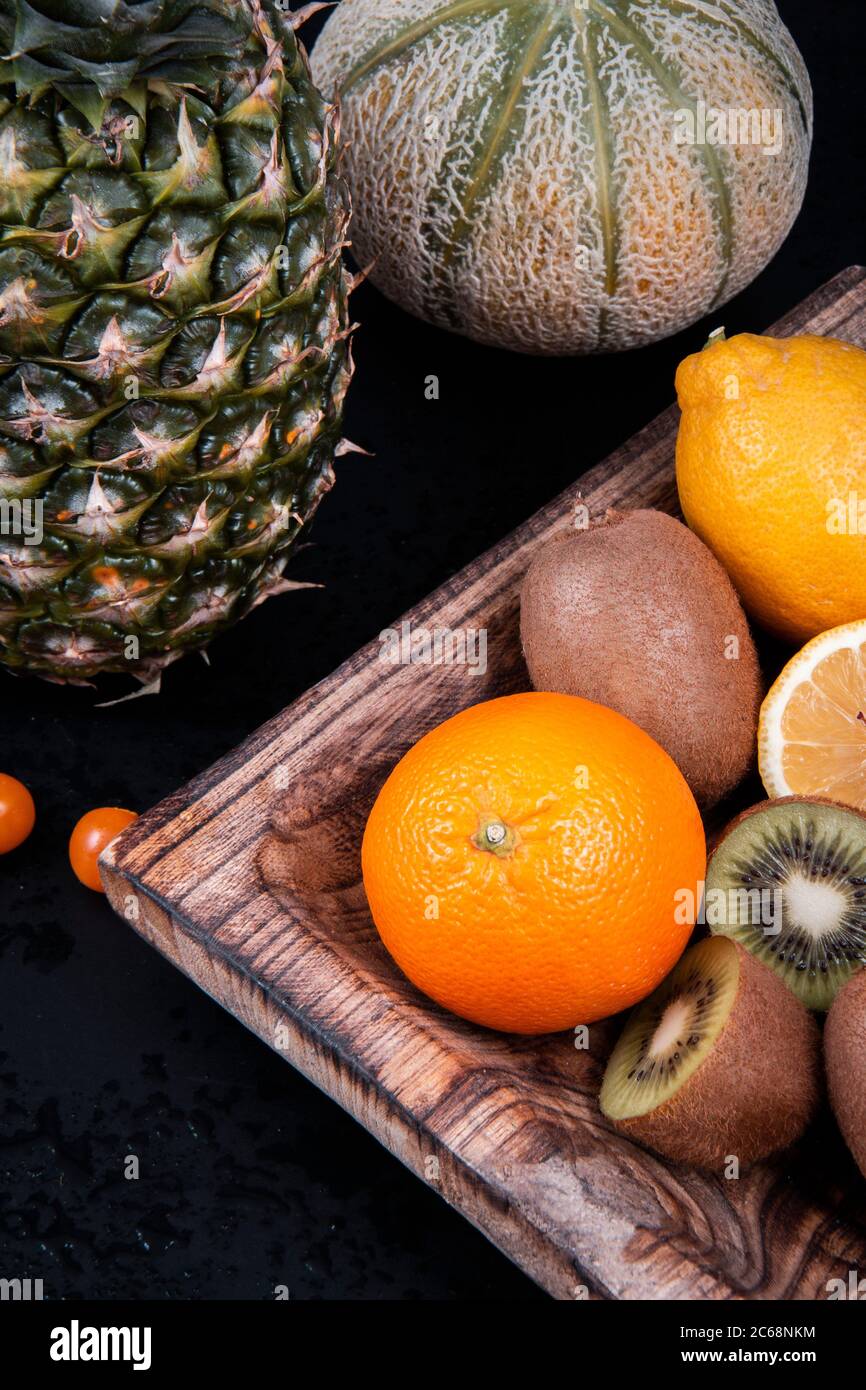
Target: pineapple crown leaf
{"x":106,"y":45}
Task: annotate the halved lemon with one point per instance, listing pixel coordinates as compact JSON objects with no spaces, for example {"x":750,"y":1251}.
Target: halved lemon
{"x":812,"y":727}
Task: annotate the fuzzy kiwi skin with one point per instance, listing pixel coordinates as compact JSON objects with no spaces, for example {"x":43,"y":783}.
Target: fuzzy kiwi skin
{"x":636,"y":613}
{"x":757,"y":1089}
{"x":845,"y":1058}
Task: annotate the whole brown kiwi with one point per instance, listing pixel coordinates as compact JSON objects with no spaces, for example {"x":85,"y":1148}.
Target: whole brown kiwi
{"x":634,"y":612}
{"x":845,"y":1058}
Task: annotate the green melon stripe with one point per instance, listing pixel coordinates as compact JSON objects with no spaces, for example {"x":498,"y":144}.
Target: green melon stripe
{"x":493,"y":142}
{"x":678,"y":100}
{"x":607,"y":200}
{"x":496,"y":137}
{"x":737,"y":22}
{"x":398,"y":43}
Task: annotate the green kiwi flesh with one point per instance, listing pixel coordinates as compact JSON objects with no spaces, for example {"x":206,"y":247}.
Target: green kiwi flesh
{"x":720,"y":1061}
{"x":845,"y":1056}
{"x":788,"y":882}
{"x":667,"y":1038}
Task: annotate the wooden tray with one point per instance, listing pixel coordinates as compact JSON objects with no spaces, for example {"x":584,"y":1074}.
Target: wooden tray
{"x":248,"y":879}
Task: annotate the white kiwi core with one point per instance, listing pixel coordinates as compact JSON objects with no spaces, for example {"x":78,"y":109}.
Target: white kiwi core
{"x":671,"y":1033}
{"x":817,"y":908}
{"x":674,"y":1021}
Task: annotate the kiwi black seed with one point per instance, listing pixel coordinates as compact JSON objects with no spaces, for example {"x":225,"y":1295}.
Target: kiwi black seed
{"x":845,"y":1056}
{"x":720,"y":1061}
{"x":787,"y":880}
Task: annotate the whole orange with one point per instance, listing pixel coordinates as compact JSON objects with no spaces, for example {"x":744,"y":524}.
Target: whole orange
{"x":522,"y":860}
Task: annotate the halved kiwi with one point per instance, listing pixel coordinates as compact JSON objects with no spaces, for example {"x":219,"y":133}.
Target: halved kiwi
{"x":787,"y":880}
{"x":721,"y":1060}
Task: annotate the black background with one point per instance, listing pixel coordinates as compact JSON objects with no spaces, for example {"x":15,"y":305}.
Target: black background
{"x":251,"y":1178}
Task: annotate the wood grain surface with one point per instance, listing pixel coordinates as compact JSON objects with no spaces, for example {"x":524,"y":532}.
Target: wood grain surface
{"x":249,"y":880}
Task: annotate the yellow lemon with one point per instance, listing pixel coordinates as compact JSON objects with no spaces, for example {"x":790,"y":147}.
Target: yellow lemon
{"x":771,"y":471}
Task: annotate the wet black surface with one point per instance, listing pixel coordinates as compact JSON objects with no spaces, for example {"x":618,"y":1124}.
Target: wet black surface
{"x":248,"y":1177}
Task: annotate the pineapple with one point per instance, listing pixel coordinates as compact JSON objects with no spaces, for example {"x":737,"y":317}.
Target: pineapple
{"x":175,"y":342}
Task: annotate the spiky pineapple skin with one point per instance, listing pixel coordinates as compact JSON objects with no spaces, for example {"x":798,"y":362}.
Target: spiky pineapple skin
{"x":175,"y":348}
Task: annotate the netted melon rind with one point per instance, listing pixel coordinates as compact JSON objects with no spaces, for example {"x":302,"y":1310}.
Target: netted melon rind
{"x":514,"y":170}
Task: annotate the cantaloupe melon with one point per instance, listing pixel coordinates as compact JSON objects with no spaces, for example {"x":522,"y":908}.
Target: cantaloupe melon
{"x":523,"y":171}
